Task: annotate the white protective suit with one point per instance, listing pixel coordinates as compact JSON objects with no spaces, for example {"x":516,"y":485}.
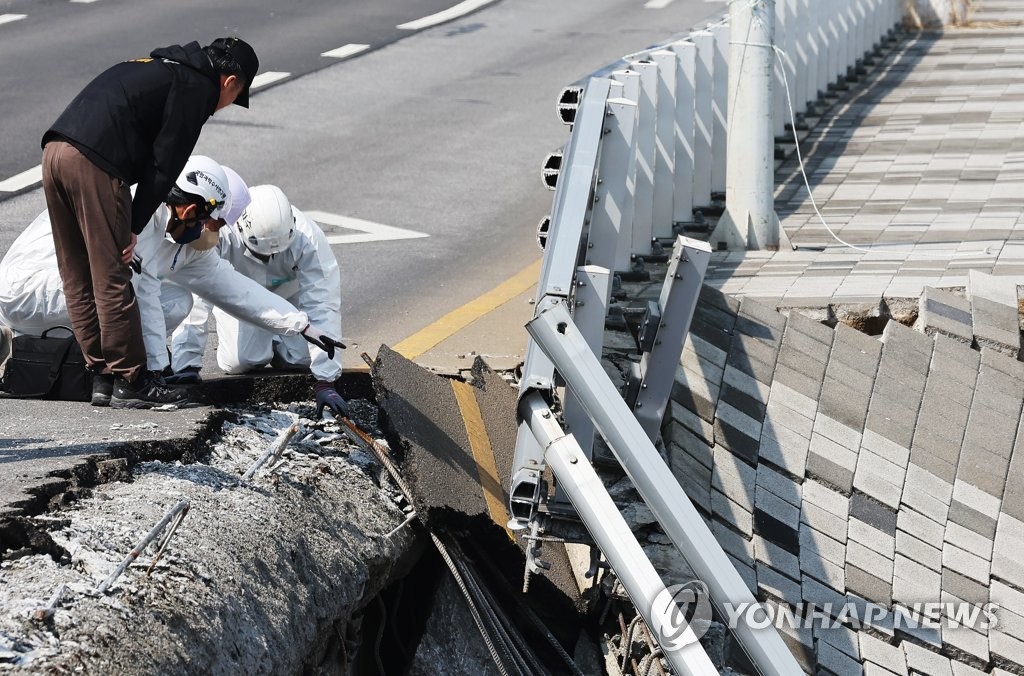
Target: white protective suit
{"x":306,"y":274}
{"x":32,"y":294}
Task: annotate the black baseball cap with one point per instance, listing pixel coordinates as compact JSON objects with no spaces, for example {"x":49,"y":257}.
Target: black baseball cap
{"x":245,"y":56}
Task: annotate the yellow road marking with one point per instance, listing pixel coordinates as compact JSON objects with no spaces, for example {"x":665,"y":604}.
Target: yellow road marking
{"x":480,"y":444}
{"x":457,"y":319}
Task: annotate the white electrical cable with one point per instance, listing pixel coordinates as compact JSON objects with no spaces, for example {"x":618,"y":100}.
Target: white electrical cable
{"x":871,"y":248}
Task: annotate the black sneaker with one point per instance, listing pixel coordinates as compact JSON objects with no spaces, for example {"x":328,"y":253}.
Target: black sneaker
{"x":147,"y":392}
{"x":102,"y":389}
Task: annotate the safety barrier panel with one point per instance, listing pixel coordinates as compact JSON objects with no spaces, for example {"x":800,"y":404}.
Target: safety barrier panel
{"x":647,"y":148}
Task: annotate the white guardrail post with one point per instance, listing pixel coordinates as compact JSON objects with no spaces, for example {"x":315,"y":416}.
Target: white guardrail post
{"x":721,"y":92}
{"x":642,"y":234}
{"x":665,"y":144}
{"x":704,"y":41}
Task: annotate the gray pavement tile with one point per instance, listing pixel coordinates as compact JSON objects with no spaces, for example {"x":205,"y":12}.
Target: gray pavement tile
{"x":1013,"y":492}
{"x":829,"y":472}
{"x":779,"y":415}
{"x":873,"y":513}
{"x":966,"y":563}
{"x":779,"y":559}
{"x":983,"y":469}
{"x":964,"y":588}
{"x":784,"y":449}
{"x":836,"y":661}
{"x":776,"y":507}
{"x":691,"y":423}
{"x":1004,"y":645}
{"x":868,"y":586}
{"x":897,"y":454}
{"x":733,"y":543}
{"x":824,"y":596}
{"x":734,"y":478}
{"x":955,"y":361}
{"x":747,"y":573}
{"x":820,"y":519}
{"x":798,"y":382}
{"x":731,"y":513}
{"x":754,"y":389}
{"x":925,"y":661}
{"x":839,"y":433}
{"x":856,"y":349}
{"x":971,"y":519}
{"x":737,"y":441}
{"x":913,"y":581}
{"x":844,"y":404}
{"x":781,"y":485}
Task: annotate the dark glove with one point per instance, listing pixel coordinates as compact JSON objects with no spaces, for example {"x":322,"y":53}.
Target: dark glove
{"x":327,"y":396}
{"x":186,"y":376}
{"x":322,"y":340}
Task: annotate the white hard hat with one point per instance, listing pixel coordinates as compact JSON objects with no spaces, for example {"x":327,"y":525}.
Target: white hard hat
{"x":267,"y":225}
{"x":206,"y":179}
{"x":238,"y":199}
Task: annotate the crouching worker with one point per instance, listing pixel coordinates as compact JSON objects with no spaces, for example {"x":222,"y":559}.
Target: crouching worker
{"x":286,"y":252}
{"x":174,"y":254}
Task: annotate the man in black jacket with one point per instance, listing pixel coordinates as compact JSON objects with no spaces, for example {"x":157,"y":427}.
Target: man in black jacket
{"x":137,"y":122}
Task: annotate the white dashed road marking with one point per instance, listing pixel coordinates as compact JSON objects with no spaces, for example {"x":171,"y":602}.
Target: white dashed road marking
{"x":657,"y":4}
{"x":83,"y":2}
{"x":455,"y":12}
{"x":346,"y":51}
{"x":269,"y":77}
{"x":22,"y":180}
{"x":367,"y":231}
{"x":8,"y":18}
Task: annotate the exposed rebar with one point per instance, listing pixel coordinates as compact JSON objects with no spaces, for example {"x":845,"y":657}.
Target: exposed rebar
{"x":182,"y":505}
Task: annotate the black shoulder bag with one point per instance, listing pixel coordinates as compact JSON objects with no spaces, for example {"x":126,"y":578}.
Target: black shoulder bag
{"x":44,"y":367}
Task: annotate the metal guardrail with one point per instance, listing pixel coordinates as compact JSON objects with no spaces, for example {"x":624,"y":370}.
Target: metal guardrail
{"x":647,"y":148}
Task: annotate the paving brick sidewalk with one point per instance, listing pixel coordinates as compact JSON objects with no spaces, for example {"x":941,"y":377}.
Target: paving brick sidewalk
{"x":921,"y":165}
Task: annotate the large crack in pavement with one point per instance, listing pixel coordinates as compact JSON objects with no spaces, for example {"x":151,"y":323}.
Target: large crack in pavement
{"x":258,"y":578}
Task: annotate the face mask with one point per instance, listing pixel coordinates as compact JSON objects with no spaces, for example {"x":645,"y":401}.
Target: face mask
{"x":207,"y":240}
{"x":189,"y":230}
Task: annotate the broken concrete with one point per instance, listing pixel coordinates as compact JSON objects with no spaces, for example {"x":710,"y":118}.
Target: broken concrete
{"x":258,"y":578}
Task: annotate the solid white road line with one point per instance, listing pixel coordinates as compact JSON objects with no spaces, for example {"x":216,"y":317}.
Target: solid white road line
{"x":83,"y":2}
{"x":8,"y":18}
{"x":346,"y":51}
{"x":367,"y":231}
{"x":269,"y":77}
{"x":657,"y":4}
{"x":22,"y":180}
{"x":455,"y":12}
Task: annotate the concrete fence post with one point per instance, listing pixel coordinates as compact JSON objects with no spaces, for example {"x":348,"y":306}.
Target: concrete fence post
{"x":685,"y":131}
{"x":749,"y":221}
{"x":721,"y":91}
{"x":704,"y":42}
{"x":665,"y":143}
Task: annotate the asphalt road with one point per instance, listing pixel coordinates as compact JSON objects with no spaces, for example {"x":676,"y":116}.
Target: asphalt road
{"x":441,"y":132}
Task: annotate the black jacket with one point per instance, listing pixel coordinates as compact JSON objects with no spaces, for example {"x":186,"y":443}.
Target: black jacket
{"x":140,"y":120}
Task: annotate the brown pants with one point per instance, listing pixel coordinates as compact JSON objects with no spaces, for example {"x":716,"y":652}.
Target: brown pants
{"x":90,"y":214}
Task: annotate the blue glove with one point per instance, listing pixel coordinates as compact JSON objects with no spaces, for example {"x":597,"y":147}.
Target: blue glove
{"x":327,"y":396}
{"x":186,"y":376}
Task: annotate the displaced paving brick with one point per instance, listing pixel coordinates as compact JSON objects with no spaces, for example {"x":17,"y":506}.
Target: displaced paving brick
{"x":733,"y":543}
{"x":736,"y":441}
{"x":764,"y":317}
{"x":746,"y":572}
{"x":945,"y":313}
{"x":927,"y":493}
{"x":956,"y":362}
{"x":913,"y":582}
{"x":920,"y":526}
{"x":824,"y":597}
{"x":798,"y":382}
{"x":1005,"y":645}
{"x":778,"y":558}
{"x":994,"y":314}
{"x":815,"y":545}
{"x":734,"y":478}
{"x":824,"y":521}
{"x":800,"y":325}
